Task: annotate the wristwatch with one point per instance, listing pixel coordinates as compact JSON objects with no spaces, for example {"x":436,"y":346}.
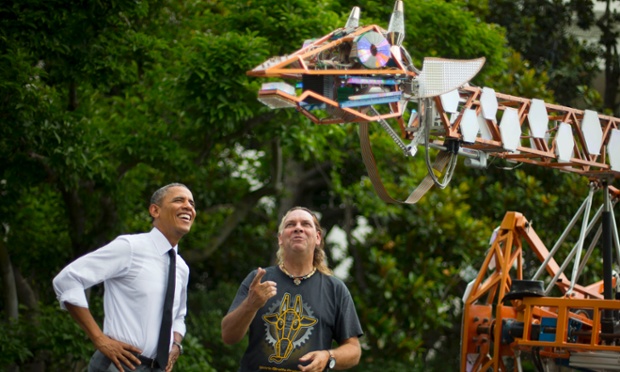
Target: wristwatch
{"x":331,"y":364}
{"x":179,"y":345}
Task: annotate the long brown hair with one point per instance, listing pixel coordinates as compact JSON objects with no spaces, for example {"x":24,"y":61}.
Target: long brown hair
{"x":319,"y":260}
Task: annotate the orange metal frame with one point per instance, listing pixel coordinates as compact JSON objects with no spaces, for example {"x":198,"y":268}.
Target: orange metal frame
{"x":538,"y":151}
{"x":563,"y":309}
{"x":302,"y":62}
{"x":305,"y":62}
{"x":484,"y":312}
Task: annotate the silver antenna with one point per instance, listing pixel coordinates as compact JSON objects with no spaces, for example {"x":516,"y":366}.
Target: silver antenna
{"x":354,"y":18}
{"x":396,"y":28}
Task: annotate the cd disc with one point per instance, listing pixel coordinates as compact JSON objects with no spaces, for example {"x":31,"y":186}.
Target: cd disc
{"x":371,"y":49}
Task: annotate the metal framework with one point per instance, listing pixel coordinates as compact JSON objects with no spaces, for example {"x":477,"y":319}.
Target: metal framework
{"x":498,"y":330}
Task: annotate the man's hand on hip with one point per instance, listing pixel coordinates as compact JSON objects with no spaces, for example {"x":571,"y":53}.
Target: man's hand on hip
{"x":118,"y":352}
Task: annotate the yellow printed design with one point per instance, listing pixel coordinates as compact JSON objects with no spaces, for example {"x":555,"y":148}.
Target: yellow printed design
{"x":288,"y":328}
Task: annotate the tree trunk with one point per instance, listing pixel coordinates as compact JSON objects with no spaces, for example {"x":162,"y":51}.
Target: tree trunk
{"x":77,"y":220}
{"x":612,"y":80}
{"x":26,"y":296}
{"x":607,"y":24}
{"x":9,"y":289}
{"x":73,"y":101}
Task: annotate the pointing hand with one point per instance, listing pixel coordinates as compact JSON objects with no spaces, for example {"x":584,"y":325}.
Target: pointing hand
{"x":260,"y":293}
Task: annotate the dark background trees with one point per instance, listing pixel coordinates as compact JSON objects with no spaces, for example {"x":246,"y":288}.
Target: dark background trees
{"x":102,"y":102}
{"x":541,"y":34}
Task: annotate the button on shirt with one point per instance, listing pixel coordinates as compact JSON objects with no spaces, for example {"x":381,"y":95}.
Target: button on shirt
{"x":134,"y":270}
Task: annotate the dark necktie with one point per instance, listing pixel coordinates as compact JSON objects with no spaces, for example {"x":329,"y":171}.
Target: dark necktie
{"x":163,"y":344}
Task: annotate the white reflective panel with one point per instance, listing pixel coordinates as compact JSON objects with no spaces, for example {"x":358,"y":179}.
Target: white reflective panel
{"x":510,"y":129}
{"x":450,"y":101}
{"x":469,"y":126}
{"x":396,"y":54}
{"x":278,"y":85}
{"x":538,"y":118}
{"x":564,"y":143}
{"x":613,"y":150}
{"x":592,"y":132}
{"x":275,"y":102}
{"x":488,"y":101}
{"x":484,"y":128}
{"x":440,"y":75}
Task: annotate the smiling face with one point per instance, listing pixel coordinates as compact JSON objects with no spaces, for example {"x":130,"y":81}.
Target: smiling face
{"x":175,"y":213}
{"x":299,"y":234}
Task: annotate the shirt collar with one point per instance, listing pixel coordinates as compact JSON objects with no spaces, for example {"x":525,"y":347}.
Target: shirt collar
{"x":161,"y":243}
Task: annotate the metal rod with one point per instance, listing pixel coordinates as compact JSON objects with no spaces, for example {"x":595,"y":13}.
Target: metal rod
{"x":393,"y":135}
{"x":518,"y":360}
{"x":615,"y":231}
{"x":607,"y":252}
{"x":464,"y":152}
{"x":569,"y":257}
{"x":607,"y":319}
{"x":582,"y":236}
{"x":595,"y":239}
{"x":597,"y":236}
{"x":557,"y":245}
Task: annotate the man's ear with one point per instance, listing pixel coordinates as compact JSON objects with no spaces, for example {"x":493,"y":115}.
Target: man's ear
{"x":154,"y":210}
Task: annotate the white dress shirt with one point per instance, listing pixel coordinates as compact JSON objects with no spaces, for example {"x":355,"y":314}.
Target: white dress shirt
{"x":134,"y":271}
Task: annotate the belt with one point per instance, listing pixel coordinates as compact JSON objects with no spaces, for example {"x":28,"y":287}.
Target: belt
{"x":151,"y":363}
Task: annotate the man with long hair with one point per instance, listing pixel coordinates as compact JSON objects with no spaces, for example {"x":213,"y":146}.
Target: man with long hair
{"x":295,"y":310}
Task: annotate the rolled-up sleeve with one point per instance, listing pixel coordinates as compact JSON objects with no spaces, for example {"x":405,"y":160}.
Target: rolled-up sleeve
{"x":68,"y":289}
{"x":179,"y":322}
{"x":89,"y":270}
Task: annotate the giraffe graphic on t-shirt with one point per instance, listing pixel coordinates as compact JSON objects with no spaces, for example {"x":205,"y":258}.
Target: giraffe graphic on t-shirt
{"x":289,"y":326}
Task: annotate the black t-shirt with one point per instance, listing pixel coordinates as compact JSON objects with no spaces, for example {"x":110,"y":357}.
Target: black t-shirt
{"x":297,"y":320}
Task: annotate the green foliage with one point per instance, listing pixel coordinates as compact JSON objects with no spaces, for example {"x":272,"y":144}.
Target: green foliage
{"x":30,"y":247}
{"x":521,"y":80}
{"x":207,"y":308}
{"x":592,"y":99}
{"x":441,"y":29}
{"x":540,"y":35}
{"x":195,"y":358}
{"x":13,"y":345}
{"x":290,"y":22}
{"x":50,"y":335}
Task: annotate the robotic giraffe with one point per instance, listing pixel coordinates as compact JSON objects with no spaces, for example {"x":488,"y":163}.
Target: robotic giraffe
{"x":363,"y":74}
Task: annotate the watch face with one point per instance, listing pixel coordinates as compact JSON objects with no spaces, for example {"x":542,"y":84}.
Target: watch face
{"x":332,"y":363}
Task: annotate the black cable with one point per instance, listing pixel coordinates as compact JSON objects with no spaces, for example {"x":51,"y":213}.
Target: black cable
{"x":536,"y":358}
